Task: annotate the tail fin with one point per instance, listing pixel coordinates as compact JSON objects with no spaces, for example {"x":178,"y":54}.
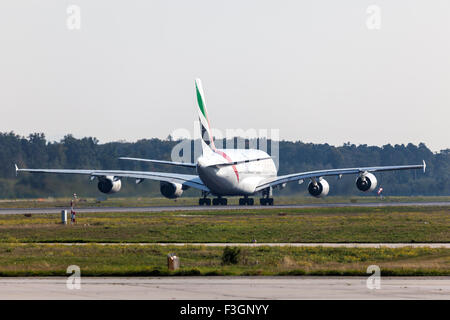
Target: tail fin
{"x":205,"y":127}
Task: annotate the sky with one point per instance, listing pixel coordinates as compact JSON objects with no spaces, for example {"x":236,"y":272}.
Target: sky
{"x":365,"y":72}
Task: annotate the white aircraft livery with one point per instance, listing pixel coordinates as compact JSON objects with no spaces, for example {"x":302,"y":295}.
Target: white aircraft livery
{"x":227,"y":172}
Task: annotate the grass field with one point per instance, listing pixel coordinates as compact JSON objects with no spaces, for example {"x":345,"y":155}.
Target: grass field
{"x":183,"y":201}
{"x":34,"y":245}
{"x":348,"y":224}
{"x":135,"y":260}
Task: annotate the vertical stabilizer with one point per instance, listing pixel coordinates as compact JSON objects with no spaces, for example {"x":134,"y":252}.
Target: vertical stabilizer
{"x":205,"y":127}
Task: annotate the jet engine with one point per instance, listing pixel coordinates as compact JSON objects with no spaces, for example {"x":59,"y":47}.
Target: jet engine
{"x":319,"y":188}
{"x":171,"y":190}
{"x":109,"y":184}
{"x":366,"y":182}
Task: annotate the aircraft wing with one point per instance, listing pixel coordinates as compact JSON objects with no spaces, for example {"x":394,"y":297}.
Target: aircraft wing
{"x":272,"y":182}
{"x":185,"y":179}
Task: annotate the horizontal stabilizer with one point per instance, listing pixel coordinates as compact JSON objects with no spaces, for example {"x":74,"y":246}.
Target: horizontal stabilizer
{"x":180,"y":164}
{"x":224,"y":164}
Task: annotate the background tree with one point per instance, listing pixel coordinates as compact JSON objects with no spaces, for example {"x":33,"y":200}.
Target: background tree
{"x":72,"y":153}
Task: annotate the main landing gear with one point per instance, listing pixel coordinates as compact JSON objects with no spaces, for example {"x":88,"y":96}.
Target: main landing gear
{"x":266,"y":201}
{"x":246,"y":201}
{"x":215,"y":202}
{"x":220,"y":201}
{"x":204,"y":202}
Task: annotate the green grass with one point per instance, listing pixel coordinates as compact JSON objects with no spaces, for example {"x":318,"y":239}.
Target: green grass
{"x":351,"y":224}
{"x":136,"y":260}
{"x":183,"y":201}
{"x":21,"y":253}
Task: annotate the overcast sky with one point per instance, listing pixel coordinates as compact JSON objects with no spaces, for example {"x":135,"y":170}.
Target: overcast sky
{"x":319,"y":71}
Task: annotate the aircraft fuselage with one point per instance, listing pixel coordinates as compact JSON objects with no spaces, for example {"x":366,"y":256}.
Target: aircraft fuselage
{"x":233,"y":180}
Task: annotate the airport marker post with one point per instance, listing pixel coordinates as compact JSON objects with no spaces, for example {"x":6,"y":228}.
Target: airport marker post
{"x":173,"y":262}
{"x":72,"y":211}
{"x":64,"y":216}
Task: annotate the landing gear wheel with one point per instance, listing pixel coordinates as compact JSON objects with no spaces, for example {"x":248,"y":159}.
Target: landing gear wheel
{"x":204,"y":202}
{"x":220,"y":201}
{"x":266,"y":201}
{"x":246,"y":201}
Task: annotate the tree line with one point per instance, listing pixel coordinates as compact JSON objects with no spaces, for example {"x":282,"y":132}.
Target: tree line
{"x":35,"y":151}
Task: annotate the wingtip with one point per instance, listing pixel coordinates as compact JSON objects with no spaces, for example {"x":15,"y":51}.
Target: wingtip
{"x":424,"y":166}
{"x":16,"y":167}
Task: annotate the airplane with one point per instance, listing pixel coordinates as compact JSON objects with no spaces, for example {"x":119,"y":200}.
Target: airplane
{"x":227,"y":172}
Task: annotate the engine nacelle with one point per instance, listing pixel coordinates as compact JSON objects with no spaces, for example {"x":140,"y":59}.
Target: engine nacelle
{"x":319,"y":189}
{"x":366,"y":182}
{"x":171,"y":190}
{"x":109,"y":185}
